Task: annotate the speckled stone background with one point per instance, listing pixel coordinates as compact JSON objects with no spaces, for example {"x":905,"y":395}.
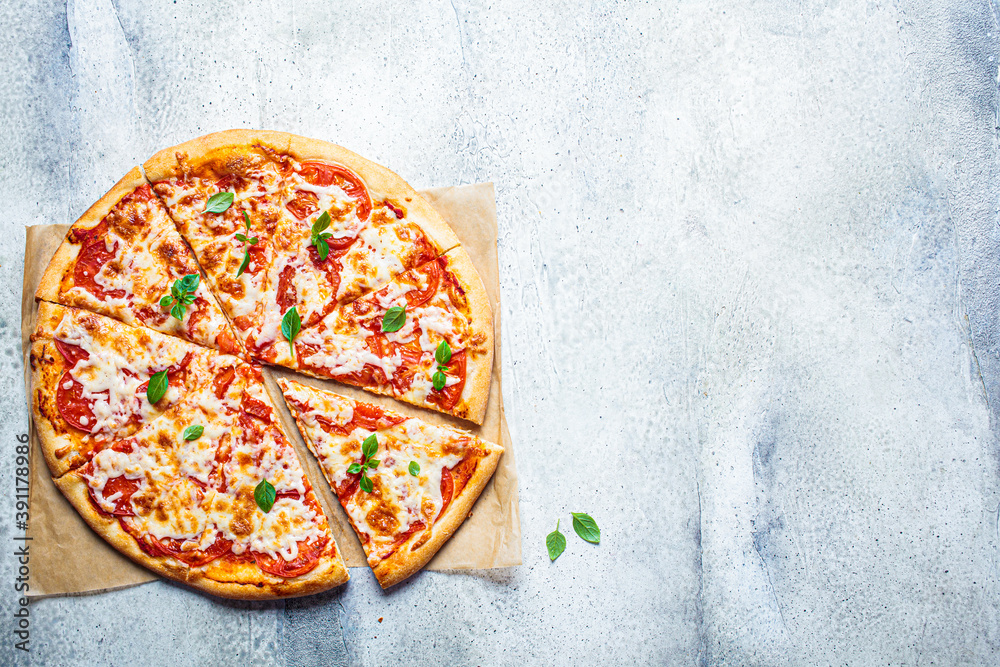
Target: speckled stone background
{"x":750,"y":297}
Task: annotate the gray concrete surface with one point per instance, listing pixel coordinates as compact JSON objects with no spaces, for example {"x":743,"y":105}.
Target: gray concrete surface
{"x":749,"y":270}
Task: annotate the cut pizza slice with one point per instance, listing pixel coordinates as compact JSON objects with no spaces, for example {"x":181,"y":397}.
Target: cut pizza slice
{"x":121,"y":258}
{"x":280,"y":221}
{"x":96,"y":380}
{"x":425,"y":338}
{"x":211,"y":494}
{"x":405,"y":485}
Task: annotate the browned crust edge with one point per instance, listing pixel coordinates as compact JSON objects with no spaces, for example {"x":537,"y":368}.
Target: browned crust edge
{"x":404,"y":562}
{"x":66,"y":254}
{"x":330,"y":572}
{"x":164,"y":164}
{"x":476,"y":392}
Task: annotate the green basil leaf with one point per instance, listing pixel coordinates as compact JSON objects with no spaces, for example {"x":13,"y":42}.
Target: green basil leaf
{"x":440,"y":380}
{"x":414,"y":468}
{"x":253,"y":240}
{"x":369,"y":446}
{"x":178,"y":310}
{"x":240,"y":237}
{"x":264,"y":495}
{"x":157,"y":387}
{"x":244,"y":264}
{"x":193,"y":432}
{"x":175,"y":290}
{"x":555,"y":543}
{"x":443,"y":352}
{"x":586,"y":527}
{"x":394,"y":319}
{"x":189,"y":299}
{"x":166,"y":301}
{"x":246,"y":220}
{"x":189,"y":283}
{"x":373,"y":463}
{"x":219,"y":202}
{"x":322,"y":248}
{"x":366,"y":484}
{"x":354,"y":469}
{"x":322,"y":222}
{"x":290,"y":327}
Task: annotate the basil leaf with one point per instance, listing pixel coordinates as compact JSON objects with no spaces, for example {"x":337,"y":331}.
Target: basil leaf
{"x":193,"y":432}
{"x":189,"y":283}
{"x":369,"y":446}
{"x":189,"y":299}
{"x":253,"y":240}
{"x":166,"y":301}
{"x":219,"y":202}
{"x":240,"y":237}
{"x":366,"y":484}
{"x":246,"y":220}
{"x":322,"y":222}
{"x":157,"y":387}
{"x":178,"y":310}
{"x":244,"y":264}
{"x":373,"y":463}
{"x":394,"y":319}
{"x":322,"y":248}
{"x":586,"y":527}
{"x":175,"y":290}
{"x":555,"y":543}
{"x":414,"y":468}
{"x":290,"y":327}
{"x":443,"y":352}
{"x":354,"y":469}
{"x":440,"y":380}
{"x":264,"y":495}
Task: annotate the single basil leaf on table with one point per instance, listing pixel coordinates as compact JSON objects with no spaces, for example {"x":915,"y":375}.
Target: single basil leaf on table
{"x":219,"y":202}
{"x":264,"y":494}
{"x":366,"y":484}
{"x":414,"y":468}
{"x":157,"y":387}
{"x":586,"y":527}
{"x":290,"y":327}
{"x":394,"y":319}
{"x":555,"y":543}
{"x":193,"y":432}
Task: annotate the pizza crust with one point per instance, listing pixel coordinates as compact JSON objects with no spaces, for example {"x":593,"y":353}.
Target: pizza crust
{"x":228,"y":148}
{"x":479,"y":359}
{"x":329,"y":573}
{"x":65,"y":258}
{"x":405,"y":560}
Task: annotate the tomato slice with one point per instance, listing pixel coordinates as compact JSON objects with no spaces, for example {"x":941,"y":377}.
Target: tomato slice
{"x":222,"y":381}
{"x":171,"y":547}
{"x":433,"y":272}
{"x":71,"y":353}
{"x":324,"y":174}
{"x":306,"y":561}
{"x":287,"y":295}
{"x":73,"y":407}
{"x":115,"y":485}
{"x":258,"y":409}
{"x":304,"y":204}
{"x":448,"y":397}
{"x":92,"y":258}
{"x":410,"y":355}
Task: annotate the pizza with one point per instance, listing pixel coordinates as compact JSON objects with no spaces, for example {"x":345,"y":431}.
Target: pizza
{"x":243,"y":248}
{"x":170,"y":479}
{"x":440,"y":308}
{"x":405,"y":485}
{"x":121,"y":258}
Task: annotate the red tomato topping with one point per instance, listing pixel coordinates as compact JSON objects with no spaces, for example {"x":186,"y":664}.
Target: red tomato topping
{"x":71,"y":353}
{"x":433,"y":272}
{"x":286,"y":296}
{"x":304,"y":204}
{"x":323,"y":174}
{"x":448,"y":397}
{"x":222,"y":381}
{"x":307,"y":559}
{"x":74,"y":408}
{"x":255,"y":408}
{"x":118,"y":485}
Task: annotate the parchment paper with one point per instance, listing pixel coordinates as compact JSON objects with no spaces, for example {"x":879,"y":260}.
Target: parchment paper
{"x":68,"y":557}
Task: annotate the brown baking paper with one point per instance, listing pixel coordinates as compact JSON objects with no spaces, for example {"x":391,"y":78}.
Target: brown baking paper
{"x":68,"y":557}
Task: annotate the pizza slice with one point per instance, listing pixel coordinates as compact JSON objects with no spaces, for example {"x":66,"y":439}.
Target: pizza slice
{"x":405,"y":485}
{"x":96,"y":380}
{"x":121,"y":258}
{"x":211,"y":494}
{"x":425,"y":338}
{"x":224,"y":192}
